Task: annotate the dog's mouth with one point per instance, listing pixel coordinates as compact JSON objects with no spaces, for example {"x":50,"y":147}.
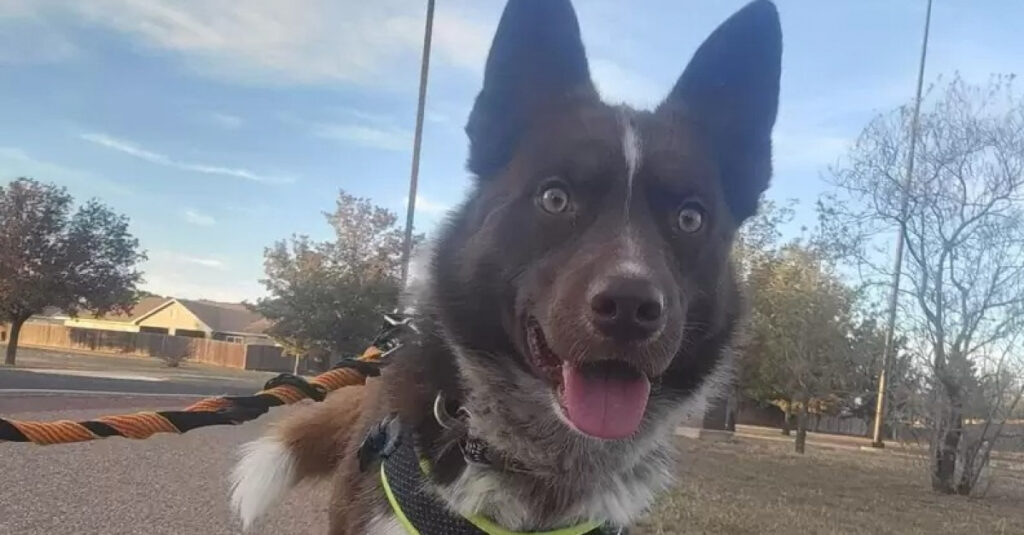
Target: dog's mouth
{"x":604,"y":399}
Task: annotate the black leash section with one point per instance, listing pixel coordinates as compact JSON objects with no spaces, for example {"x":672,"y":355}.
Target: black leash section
{"x":223,"y":410}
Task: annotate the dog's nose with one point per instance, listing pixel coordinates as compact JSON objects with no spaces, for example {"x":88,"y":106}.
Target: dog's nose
{"x":626,"y":308}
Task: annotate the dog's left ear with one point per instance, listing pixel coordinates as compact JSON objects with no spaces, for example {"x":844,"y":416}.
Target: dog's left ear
{"x":731,"y":90}
{"x":536,"y":62}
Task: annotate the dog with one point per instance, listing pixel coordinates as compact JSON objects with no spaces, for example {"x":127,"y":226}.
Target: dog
{"x":575,"y":308}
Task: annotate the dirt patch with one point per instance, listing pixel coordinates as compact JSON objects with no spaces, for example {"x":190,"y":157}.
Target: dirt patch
{"x":756,"y":487}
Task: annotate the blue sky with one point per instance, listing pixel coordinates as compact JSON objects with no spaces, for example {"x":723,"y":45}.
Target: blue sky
{"x":220,"y":126}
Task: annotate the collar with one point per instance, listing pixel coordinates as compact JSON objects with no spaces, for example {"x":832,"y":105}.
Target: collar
{"x":421,"y":513}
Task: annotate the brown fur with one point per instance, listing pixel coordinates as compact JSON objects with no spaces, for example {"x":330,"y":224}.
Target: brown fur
{"x":319,"y":434}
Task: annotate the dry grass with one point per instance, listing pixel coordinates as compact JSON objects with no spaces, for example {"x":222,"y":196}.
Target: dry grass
{"x":755,"y":486}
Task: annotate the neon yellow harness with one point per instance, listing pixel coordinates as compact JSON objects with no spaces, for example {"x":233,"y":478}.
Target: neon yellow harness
{"x":482,"y":524}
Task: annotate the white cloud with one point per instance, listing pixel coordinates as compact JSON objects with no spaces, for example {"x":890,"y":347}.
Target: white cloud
{"x":378,"y":137}
{"x":171,"y":260}
{"x":268,"y":41}
{"x":226,"y":121}
{"x":205,"y":262}
{"x":197,"y":218}
{"x":132,"y":149}
{"x":16,"y":162}
{"x":192,"y":276}
{"x":425,"y":205}
{"x":127,"y":148}
{"x":193,"y":286}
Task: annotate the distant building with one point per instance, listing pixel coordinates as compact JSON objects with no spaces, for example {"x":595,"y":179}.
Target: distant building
{"x":230,"y":322}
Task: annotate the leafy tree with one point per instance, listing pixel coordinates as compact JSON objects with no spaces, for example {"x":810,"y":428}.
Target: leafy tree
{"x":51,"y":256}
{"x":801,"y":317}
{"x":757,"y":242}
{"x":326,"y":297}
{"x":963,"y":226}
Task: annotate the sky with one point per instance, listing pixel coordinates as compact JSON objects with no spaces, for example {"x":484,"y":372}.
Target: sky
{"x":221,"y":126}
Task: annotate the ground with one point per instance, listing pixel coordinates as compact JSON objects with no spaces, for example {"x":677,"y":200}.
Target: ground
{"x":752,"y":483}
{"x":753,"y":486}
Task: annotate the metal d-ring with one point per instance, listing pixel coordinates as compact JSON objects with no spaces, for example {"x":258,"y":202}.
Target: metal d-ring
{"x":443,"y":417}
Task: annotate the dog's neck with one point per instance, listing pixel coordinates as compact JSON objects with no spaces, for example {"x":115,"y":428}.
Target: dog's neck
{"x":563,"y":484}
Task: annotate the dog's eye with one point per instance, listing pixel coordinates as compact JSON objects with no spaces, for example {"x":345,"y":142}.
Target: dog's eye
{"x":554,"y":200}
{"x":690,"y":218}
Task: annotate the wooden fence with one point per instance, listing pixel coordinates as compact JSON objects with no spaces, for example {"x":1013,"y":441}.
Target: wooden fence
{"x":170,"y":348}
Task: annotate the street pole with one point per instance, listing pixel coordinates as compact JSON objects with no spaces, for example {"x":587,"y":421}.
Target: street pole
{"x":417,"y":141}
{"x":887,"y":349}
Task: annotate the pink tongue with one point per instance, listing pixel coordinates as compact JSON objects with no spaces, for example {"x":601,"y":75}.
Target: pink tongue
{"x":602,"y":404}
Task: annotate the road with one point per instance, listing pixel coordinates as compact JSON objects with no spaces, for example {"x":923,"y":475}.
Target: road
{"x":165,"y":485}
{"x":168,"y":484}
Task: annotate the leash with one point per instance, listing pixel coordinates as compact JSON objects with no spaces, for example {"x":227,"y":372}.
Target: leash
{"x":284,"y":389}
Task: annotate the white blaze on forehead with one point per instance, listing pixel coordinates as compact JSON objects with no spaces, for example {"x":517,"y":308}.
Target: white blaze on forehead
{"x":632,"y":152}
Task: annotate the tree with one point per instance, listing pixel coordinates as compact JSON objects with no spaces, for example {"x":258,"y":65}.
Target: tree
{"x":326,"y":297}
{"x":801,"y":318}
{"x":757,"y":243}
{"x":49,"y":256}
{"x":963,"y":296}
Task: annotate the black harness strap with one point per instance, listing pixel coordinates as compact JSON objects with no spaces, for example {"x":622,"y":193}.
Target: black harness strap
{"x":405,"y":480}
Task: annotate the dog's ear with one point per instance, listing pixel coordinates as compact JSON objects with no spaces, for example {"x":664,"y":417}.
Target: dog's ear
{"x":731,"y":89}
{"x":536,"y":61}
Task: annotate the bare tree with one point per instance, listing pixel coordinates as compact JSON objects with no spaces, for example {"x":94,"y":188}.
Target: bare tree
{"x":964,"y":235}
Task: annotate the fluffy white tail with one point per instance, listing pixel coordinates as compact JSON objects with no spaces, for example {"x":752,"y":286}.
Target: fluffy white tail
{"x":264,"y":474}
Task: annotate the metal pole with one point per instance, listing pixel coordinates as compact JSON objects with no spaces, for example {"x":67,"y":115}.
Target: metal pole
{"x":417,"y":141}
{"x":890,"y":328}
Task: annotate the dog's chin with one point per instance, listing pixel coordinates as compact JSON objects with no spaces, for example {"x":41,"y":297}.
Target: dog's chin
{"x":601,"y":399}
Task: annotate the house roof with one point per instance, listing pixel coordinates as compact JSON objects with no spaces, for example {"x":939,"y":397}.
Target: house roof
{"x":233,"y":318}
{"x":142,"y":308}
{"x":226,"y":317}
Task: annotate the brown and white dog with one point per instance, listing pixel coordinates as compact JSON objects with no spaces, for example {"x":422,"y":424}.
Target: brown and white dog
{"x":578,"y":305}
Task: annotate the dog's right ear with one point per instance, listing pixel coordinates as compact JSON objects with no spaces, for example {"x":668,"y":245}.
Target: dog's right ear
{"x":536,"y":61}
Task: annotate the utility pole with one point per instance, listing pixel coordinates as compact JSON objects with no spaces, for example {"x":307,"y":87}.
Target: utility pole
{"x":417,"y":141}
{"x":890,"y":328}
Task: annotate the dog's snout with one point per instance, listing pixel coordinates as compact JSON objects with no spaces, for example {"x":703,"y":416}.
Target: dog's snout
{"x":627,"y":308}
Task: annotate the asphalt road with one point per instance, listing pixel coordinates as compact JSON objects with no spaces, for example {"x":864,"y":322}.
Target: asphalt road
{"x":168,"y":484}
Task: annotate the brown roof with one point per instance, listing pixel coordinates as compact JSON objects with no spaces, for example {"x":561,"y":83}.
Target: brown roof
{"x":226,"y":317}
{"x":143,"y":307}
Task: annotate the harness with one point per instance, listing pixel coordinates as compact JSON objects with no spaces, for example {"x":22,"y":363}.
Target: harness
{"x":403,"y":477}
{"x":403,"y":473}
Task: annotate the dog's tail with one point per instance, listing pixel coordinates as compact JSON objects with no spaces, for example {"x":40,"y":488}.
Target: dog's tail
{"x":306,"y":445}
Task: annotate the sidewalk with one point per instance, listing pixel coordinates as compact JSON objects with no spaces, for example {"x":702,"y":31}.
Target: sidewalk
{"x":135,"y":368}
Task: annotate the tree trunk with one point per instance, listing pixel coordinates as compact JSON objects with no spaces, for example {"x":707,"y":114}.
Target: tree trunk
{"x":12,"y":342}
{"x":947,"y":440}
{"x":801,"y":428}
{"x":787,"y":420}
{"x":732,"y":408}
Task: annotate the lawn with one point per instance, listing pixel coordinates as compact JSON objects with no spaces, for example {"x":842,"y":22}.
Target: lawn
{"x":753,"y":486}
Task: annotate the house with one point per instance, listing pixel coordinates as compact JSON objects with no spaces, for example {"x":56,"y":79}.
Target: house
{"x":230,"y":322}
